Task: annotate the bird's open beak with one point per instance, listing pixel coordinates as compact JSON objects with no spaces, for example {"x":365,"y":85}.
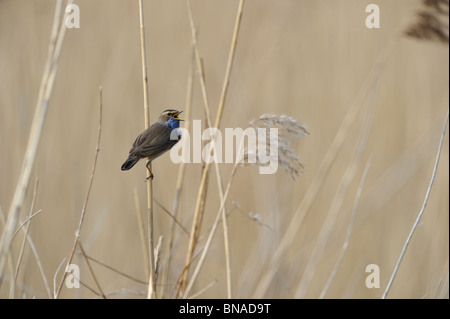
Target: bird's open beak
{"x":175,"y":116}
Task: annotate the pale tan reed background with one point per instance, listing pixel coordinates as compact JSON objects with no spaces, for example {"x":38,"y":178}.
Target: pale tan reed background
{"x":307,"y":59}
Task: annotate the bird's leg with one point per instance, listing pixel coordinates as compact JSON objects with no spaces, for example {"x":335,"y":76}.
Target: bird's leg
{"x":149,"y":170}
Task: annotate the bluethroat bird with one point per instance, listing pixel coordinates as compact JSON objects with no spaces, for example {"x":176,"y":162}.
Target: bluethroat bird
{"x":157,"y":139}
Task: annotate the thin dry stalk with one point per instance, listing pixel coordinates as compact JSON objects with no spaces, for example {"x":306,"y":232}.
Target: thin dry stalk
{"x":83,"y":211}
{"x":26,"y":222}
{"x":226,"y":234}
{"x":10,"y":257}
{"x":219,"y":217}
{"x":338,"y":199}
{"x":126,"y":292}
{"x":201,"y":197}
{"x":91,"y":270}
{"x":115,"y":270}
{"x":142,"y":235}
{"x":45,"y":91}
{"x":395,"y":176}
{"x":211,"y":234}
{"x":443,"y":287}
{"x":288,"y":126}
{"x":349,"y":230}
{"x":22,"y":248}
{"x":198,"y":293}
{"x":39,"y":263}
{"x":181,"y":171}
{"x":157,"y":256}
{"x":96,"y":293}
{"x":199,"y":64}
{"x":217,"y":124}
{"x":313,"y":190}
{"x":198,"y":214}
{"x":55,"y":275}
{"x":230,"y":61}
{"x":419,"y":216}
{"x":152,"y":282}
{"x":172,"y":217}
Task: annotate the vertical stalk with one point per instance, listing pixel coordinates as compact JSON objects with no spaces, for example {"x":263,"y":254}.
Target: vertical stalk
{"x":419,"y":216}
{"x":152,"y":283}
{"x":86,"y":200}
{"x":45,"y":91}
{"x":199,"y":207}
{"x":181,"y":173}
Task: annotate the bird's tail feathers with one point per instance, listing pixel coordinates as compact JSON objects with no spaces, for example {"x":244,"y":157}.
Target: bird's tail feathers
{"x":129,"y":163}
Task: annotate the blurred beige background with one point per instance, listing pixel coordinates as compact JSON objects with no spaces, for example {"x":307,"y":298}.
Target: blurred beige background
{"x":306,"y":59}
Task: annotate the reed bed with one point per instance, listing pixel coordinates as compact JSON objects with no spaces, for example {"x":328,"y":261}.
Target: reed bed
{"x":362,"y":146}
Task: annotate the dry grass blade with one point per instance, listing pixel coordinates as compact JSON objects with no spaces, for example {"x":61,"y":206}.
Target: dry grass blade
{"x":39,"y":264}
{"x":211,"y":234}
{"x":201,"y":196}
{"x":396,"y":175}
{"x":199,"y":64}
{"x":91,"y":270}
{"x":142,"y":235}
{"x":10,"y":258}
{"x":26,"y":222}
{"x":261,"y":246}
{"x":338,"y":198}
{"x":226,"y":234}
{"x":22,"y":248}
{"x":442,"y":291}
{"x":83,"y":211}
{"x":198,"y":216}
{"x":126,"y":293}
{"x":55,"y":293}
{"x":181,"y":172}
{"x":46,"y":89}
{"x":198,"y":213}
{"x":349,"y":231}
{"x":116,"y":270}
{"x":172,"y":217}
{"x":265,"y":121}
{"x":198,"y":293}
{"x":327,"y":162}
{"x":157,"y":256}
{"x":96,"y":293}
{"x":419,"y":216}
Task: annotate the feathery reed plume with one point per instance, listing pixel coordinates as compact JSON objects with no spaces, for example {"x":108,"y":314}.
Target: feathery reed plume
{"x":431,"y":24}
{"x":287,"y":126}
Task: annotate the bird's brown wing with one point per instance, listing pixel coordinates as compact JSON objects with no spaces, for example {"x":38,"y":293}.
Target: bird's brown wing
{"x":153,"y":139}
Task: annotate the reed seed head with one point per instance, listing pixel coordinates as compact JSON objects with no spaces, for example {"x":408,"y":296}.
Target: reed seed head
{"x":287,"y":127}
{"x":432,"y":22}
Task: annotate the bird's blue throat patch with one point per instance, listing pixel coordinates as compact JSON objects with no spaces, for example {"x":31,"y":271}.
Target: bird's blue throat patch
{"x":173,"y":123}
{"x":175,"y":126}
